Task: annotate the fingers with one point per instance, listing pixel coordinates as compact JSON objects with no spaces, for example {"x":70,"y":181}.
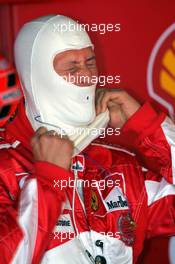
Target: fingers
{"x":51,"y":133}
{"x":40,"y":131}
{"x":51,"y":147}
{"x":105,"y":96}
{"x":98,"y":92}
{"x":99,"y":96}
{"x":108,"y":96}
{"x":43,"y":131}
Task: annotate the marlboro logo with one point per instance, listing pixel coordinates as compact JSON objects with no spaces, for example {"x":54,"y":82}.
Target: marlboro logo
{"x":116,"y":200}
{"x":120,"y":203}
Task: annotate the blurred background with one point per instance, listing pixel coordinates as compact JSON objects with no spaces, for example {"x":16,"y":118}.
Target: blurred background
{"x":141,"y":53}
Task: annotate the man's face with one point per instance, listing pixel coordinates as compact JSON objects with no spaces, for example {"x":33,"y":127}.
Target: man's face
{"x":77,"y":66}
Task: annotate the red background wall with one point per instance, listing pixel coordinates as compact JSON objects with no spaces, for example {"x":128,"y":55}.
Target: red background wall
{"x":125,"y":53}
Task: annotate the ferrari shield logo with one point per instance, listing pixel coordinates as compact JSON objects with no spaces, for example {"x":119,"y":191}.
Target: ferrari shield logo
{"x":94,"y":201}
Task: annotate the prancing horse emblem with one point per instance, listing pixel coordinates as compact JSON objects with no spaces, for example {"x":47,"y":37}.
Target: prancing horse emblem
{"x":94,"y":201}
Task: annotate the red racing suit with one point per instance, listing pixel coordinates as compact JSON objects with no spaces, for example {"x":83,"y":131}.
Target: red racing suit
{"x":106,"y":205}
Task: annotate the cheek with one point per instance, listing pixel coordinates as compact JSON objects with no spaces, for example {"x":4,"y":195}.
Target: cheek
{"x":94,"y":72}
{"x":65,"y":76}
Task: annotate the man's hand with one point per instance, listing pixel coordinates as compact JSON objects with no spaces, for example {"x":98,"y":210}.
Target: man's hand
{"x":120,"y":104}
{"x":52,"y":148}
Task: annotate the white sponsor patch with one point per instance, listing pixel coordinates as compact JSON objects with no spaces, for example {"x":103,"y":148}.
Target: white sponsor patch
{"x":116,"y":200}
{"x":78,"y":163}
{"x":64,"y":224}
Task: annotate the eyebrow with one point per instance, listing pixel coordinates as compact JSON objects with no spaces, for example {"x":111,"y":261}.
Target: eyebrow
{"x":89,"y":59}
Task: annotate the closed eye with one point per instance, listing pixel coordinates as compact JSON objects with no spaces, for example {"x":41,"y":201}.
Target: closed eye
{"x":91,"y":64}
{"x":71,"y":70}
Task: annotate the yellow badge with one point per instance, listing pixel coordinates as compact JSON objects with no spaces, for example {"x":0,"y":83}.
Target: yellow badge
{"x":94,"y":201}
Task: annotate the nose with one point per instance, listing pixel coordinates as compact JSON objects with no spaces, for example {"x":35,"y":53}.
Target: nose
{"x":85,"y":76}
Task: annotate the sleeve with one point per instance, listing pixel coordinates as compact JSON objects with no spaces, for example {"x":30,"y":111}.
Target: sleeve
{"x":161,"y":206}
{"x":152,"y":137}
{"x":26,"y":225}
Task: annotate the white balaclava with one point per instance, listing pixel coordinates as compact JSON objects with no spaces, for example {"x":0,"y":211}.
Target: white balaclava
{"x":50,"y":100}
